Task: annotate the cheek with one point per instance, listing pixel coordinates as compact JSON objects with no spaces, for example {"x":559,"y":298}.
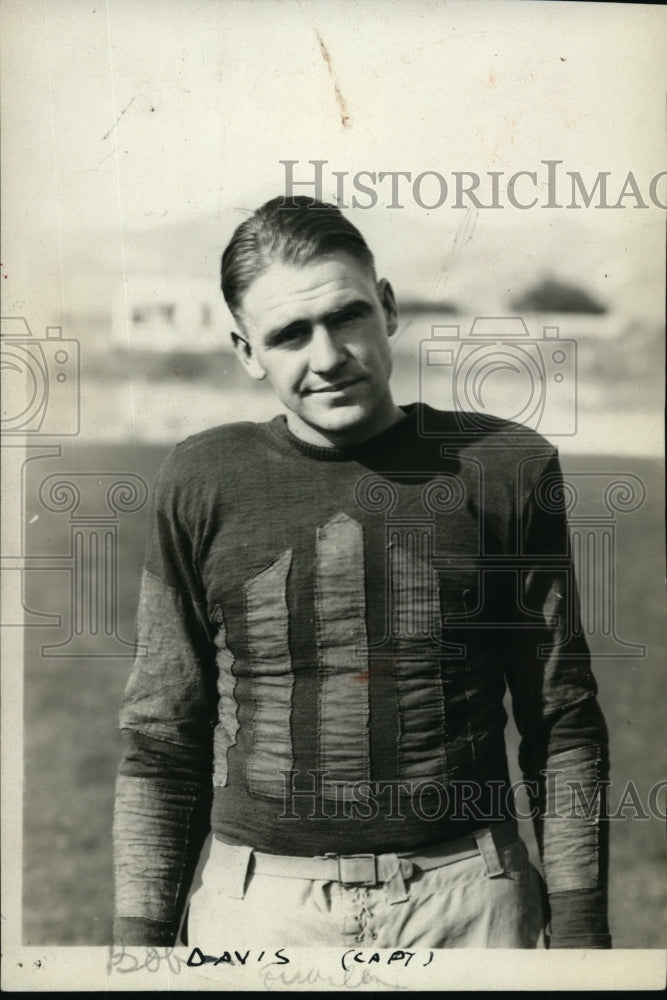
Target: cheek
{"x":380,"y":356}
{"x":285,"y":376}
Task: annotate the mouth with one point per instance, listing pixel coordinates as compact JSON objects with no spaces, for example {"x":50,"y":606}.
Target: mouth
{"x":336,"y":386}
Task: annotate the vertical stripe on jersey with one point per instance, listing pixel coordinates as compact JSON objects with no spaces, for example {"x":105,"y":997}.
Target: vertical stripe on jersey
{"x":340,"y":605}
{"x":224,"y":734}
{"x":416,"y":625}
{"x":270,"y":668}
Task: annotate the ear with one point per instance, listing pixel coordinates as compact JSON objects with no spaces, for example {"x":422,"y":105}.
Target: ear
{"x":389,"y":305}
{"x":245,"y":355}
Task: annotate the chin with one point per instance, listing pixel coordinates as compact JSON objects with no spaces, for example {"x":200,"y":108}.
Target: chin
{"x":345,"y":419}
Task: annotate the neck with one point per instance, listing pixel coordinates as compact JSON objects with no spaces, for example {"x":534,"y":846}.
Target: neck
{"x":349,"y":436}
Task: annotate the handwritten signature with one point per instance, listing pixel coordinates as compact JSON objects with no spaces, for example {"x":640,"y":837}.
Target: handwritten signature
{"x":274,"y":975}
{"x":121,"y":960}
{"x":277,"y":978}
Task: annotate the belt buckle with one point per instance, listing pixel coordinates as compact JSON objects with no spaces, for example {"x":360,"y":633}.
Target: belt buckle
{"x":357,"y":869}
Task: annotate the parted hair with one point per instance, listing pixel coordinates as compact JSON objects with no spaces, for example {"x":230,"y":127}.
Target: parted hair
{"x":292,"y":230}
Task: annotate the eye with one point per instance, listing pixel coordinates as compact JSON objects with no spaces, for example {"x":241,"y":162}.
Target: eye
{"x":348,"y":316}
{"x":290,"y":335}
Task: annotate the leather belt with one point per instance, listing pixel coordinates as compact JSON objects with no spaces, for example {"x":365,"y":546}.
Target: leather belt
{"x":374,"y":869}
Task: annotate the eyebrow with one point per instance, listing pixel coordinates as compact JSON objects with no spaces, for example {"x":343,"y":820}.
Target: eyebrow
{"x":360,"y":305}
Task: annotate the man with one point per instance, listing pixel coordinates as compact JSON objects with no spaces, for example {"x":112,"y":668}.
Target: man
{"x":333,"y":603}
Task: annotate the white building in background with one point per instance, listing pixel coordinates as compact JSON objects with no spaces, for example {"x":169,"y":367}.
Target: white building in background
{"x":161,"y":315}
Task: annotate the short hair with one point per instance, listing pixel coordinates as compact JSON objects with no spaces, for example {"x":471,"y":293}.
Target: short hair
{"x":292,"y":230}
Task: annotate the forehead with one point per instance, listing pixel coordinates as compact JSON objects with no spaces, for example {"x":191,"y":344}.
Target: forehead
{"x":285,"y":293}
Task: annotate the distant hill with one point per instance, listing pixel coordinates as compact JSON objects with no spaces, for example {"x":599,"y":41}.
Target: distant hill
{"x":434,"y":264}
{"x":553,"y":296}
{"x":418,"y":307}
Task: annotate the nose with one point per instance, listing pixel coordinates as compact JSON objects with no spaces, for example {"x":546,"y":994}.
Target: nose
{"x":326,"y":352}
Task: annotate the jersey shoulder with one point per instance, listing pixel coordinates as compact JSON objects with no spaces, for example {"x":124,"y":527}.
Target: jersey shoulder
{"x":506,"y":455}
{"x":202,"y":457}
{"x":472,"y":429}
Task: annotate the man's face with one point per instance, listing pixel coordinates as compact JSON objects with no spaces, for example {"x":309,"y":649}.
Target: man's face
{"x":320,"y":333}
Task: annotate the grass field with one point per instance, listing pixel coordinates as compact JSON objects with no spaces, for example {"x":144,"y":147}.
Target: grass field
{"x":72,"y":746}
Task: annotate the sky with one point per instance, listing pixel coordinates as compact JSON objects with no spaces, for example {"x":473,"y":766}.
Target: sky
{"x":123,"y":116}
